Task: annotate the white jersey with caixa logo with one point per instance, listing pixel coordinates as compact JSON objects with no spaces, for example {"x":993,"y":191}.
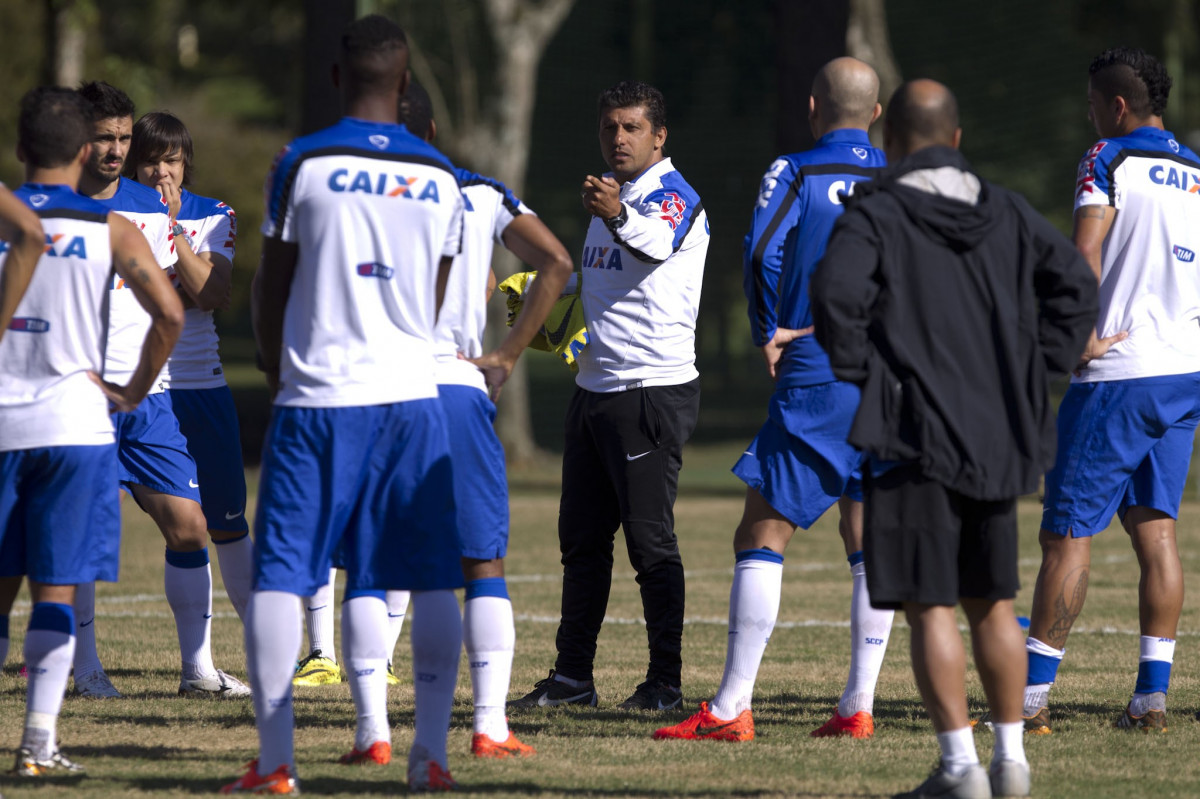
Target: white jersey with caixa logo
{"x":128,"y":321}
{"x":1150,"y":278}
{"x":57,"y":334}
{"x":489,"y":209}
{"x":641,"y":286}
{"x":372,"y":210}
{"x":195,"y":363}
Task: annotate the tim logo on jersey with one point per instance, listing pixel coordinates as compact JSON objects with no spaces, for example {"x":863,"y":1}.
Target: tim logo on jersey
{"x":383,"y":184}
{"x":374,"y":270}
{"x":29,"y":324}
{"x":1183,"y":254}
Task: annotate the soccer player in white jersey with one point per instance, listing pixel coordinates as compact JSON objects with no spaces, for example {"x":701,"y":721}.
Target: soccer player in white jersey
{"x":363,"y":220}
{"x":153,"y":461}
{"x":58,"y":461}
{"x":466,"y":377}
{"x":203,"y":233}
{"x":22,"y":232}
{"x":1127,"y":422}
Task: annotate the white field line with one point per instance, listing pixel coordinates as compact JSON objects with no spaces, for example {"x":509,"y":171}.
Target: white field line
{"x":107,"y":607}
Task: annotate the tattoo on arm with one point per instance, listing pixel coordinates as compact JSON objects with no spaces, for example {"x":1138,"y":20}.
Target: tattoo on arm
{"x":1093,"y":212}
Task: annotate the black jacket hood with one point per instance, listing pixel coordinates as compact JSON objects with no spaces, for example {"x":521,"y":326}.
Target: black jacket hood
{"x":957,"y":224}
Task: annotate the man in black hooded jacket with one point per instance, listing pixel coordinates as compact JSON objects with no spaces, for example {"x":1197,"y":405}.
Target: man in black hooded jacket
{"x":950,"y":302}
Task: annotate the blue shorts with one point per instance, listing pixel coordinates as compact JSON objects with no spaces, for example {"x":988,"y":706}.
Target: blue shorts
{"x":800,"y":461}
{"x":59,"y":522}
{"x":375,"y":480}
{"x":480,"y":480}
{"x":208,"y":420}
{"x":151,"y":451}
{"x":1121,"y":443}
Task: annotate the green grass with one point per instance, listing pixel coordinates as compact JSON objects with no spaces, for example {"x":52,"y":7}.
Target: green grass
{"x":154,"y":744}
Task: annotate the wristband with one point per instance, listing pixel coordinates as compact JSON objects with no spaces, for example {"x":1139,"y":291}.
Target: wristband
{"x":618,"y":221}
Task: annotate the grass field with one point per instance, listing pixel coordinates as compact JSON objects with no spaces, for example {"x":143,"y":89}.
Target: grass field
{"x":155,"y":744}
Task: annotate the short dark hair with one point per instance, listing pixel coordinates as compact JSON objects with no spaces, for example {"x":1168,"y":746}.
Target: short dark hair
{"x":416,"y":110}
{"x":1135,"y":75}
{"x":364,"y":41}
{"x":630,"y":93}
{"x":107,"y":100}
{"x":155,"y":135}
{"x":55,"y":122}
{"x":922,"y":112}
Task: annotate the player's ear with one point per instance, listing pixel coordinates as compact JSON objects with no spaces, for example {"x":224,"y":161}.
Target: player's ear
{"x":957,"y":138}
{"x":660,"y":137}
{"x":875,"y":114}
{"x":405,"y":79}
{"x":432,"y":130}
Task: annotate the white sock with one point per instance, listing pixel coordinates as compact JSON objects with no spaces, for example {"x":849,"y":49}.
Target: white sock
{"x":869,"y":632}
{"x":87,"y":659}
{"x":364,"y":647}
{"x":49,"y":650}
{"x":489,"y":637}
{"x":272,"y":637}
{"x":236,"y":561}
{"x":753,"y":609}
{"x":436,"y":634}
{"x":1010,"y":742}
{"x":958,"y":751}
{"x":318,"y":618}
{"x":188,"y":582}
{"x":397,"y":609}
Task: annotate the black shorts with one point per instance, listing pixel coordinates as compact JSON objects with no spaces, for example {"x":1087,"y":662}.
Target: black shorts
{"x":926,"y":544}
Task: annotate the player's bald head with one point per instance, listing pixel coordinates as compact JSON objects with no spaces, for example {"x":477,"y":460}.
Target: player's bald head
{"x":374,"y":56}
{"x":846,"y":91}
{"x":922,"y":113}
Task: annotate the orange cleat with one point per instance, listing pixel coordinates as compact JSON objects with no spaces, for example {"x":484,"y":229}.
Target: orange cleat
{"x":429,"y":776}
{"x":379,"y":752}
{"x":278,"y":782}
{"x":860,"y":725}
{"x":482,"y":745}
{"x":705,"y":725}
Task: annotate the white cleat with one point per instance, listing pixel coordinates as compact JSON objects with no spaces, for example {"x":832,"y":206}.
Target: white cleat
{"x":96,"y":685}
{"x":220,"y":684}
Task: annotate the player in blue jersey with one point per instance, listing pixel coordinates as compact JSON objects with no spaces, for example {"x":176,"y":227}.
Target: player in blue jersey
{"x":203,"y":234}
{"x":363,"y":221}
{"x":154,"y":464}
{"x":22,"y":234}
{"x":58,"y":459}
{"x":800,"y":464}
{"x":1127,"y":422}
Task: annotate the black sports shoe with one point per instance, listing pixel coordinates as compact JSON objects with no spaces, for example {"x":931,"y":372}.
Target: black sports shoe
{"x":551,"y":692}
{"x":653,"y":695}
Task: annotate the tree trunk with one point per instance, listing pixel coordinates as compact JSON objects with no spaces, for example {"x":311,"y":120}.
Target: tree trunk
{"x":867,"y":40}
{"x":66,"y":39}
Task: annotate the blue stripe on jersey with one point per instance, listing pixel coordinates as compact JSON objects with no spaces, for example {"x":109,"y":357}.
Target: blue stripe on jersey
{"x":193,"y":206}
{"x":797,"y":207}
{"x":133,"y":197}
{"x":468,"y":178}
{"x":349,"y":136}
{"x":1100,"y":162}
{"x":52,"y":200}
